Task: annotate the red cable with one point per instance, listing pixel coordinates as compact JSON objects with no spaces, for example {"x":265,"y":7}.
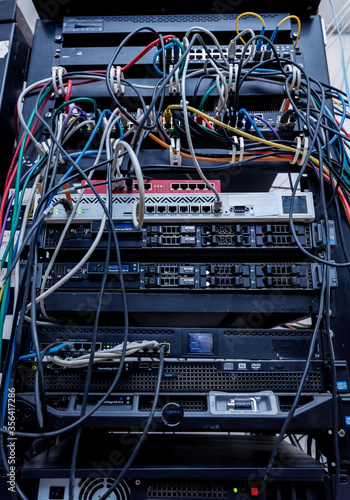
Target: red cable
{"x":343,"y":129}
{"x":201,"y":119}
{"x":13,"y":167}
{"x":145,"y":50}
{"x":138,"y":57}
{"x":67,"y":96}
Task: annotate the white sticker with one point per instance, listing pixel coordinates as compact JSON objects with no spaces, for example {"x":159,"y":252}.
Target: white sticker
{"x":4,"y":48}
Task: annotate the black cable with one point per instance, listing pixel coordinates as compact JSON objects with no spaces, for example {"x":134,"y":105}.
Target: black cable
{"x":126,"y":321}
{"x":291,"y":412}
{"x":145,"y":430}
{"x":39,"y":386}
{"x":240,"y":81}
{"x":93,"y":348}
{"x":111,"y":62}
{"x":196,"y":88}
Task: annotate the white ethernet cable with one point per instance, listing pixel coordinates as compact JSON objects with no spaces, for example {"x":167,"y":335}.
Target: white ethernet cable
{"x":44,"y":294}
{"x":103,"y":355}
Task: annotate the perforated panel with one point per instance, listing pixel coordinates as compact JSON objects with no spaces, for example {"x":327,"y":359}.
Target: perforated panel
{"x":189,"y":403}
{"x":182,"y":377}
{"x":187,"y":489}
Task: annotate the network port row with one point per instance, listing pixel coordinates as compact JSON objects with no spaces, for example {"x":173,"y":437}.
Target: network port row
{"x":179,"y":209}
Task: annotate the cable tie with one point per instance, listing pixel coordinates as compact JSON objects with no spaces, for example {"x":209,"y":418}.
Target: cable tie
{"x":117,"y":86}
{"x":296,"y":77}
{"x":241,"y":148}
{"x":234,"y":149}
{"x":175,"y":157}
{"x":297,"y":151}
{"x":305,"y":143}
{"x":57,"y":73}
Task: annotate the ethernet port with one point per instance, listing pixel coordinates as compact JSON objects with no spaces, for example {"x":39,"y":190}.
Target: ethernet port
{"x":172,"y":209}
{"x":147,"y":186}
{"x":161,"y":209}
{"x":206,"y":209}
{"x":184,"y":186}
{"x":86,"y":346}
{"x":195,"y":209}
{"x":175,"y":186}
{"x":77,"y":346}
{"x":201,"y":186}
{"x":192,"y":186}
{"x":183,"y":209}
{"x":150,"y":209}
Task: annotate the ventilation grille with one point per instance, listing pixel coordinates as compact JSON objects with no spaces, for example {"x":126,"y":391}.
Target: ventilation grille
{"x":187,"y":489}
{"x":210,"y":490}
{"x":177,"y":18}
{"x":189,"y":403}
{"x":181,"y":378}
{"x":286,"y":402}
{"x":299,"y":332}
{"x":49,"y":330}
{"x":91,"y":488}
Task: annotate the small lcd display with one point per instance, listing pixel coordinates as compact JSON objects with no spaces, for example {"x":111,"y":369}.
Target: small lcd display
{"x":200,"y":343}
{"x":121,"y":225}
{"x":115,"y":267}
{"x":299,"y":204}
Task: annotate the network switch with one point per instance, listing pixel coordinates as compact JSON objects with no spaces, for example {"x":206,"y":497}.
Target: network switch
{"x":245,"y":207}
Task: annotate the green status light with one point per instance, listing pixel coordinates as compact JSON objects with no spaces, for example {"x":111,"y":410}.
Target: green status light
{"x":235,"y":490}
